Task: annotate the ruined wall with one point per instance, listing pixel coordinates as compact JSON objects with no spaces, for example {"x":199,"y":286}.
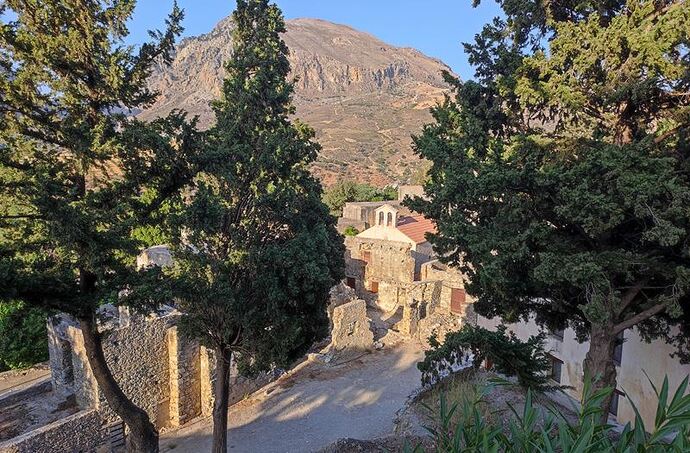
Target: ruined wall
{"x":387,"y":262}
{"x":158,"y":369}
{"x":351,"y":328}
{"x":184,"y":374}
{"x":81,"y":432}
{"x":137,"y":355}
{"x":451,"y":278}
{"x":419,"y":300}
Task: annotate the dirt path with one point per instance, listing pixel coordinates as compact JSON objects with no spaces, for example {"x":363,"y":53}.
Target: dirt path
{"x":316,"y":406}
{"x":15,"y":381}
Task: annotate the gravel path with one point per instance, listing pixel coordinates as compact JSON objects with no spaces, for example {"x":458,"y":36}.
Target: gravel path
{"x":315,"y":406}
{"x":12,"y":382}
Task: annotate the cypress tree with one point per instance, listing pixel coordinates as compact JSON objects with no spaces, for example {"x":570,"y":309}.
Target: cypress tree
{"x":256,"y":251}
{"x":78,"y":176}
{"x":561,"y":174}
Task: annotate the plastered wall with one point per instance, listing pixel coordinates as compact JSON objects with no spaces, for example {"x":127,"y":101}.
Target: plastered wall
{"x":638,"y":358}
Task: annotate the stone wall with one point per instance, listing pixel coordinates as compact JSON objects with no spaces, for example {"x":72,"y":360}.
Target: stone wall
{"x":184,"y":379}
{"x":82,"y":432}
{"x":156,"y":367}
{"x":373,"y":260}
{"x":351,"y":328}
{"x":451,"y":278}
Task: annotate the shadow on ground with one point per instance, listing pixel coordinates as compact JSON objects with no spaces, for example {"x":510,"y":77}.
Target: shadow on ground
{"x":356,"y":398}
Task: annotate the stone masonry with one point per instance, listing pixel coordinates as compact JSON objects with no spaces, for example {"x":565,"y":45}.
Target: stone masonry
{"x":351,"y":328}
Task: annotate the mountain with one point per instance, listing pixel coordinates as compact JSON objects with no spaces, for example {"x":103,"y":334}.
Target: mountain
{"x":363,"y":97}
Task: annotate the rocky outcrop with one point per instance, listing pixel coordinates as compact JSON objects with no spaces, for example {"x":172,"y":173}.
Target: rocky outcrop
{"x":363,"y":97}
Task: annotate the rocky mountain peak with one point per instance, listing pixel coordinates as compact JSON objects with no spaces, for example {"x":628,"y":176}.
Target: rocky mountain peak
{"x":363,"y":97}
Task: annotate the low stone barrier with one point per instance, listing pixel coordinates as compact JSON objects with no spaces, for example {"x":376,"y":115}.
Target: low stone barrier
{"x":83,"y":432}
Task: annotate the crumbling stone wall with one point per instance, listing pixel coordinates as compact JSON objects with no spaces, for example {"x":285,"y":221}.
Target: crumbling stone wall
{"x":339,"y":295}
{"x":393,"y":294}
{"x":184,"y":372}
{"x":419,"y":300}
{"x":81,"y":432}
{"x":158,"y":369}
{"x":451,"y":278}
{"x":375,"y":261}
{"x":351,"y":329}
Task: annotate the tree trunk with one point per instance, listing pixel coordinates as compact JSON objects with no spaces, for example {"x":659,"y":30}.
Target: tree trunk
{"x":143,"y":437}
{"x":599,"y":364}
{"x":220,"y":402}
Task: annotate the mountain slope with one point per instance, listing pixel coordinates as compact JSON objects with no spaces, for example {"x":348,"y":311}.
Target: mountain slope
{"x":363,"y":97}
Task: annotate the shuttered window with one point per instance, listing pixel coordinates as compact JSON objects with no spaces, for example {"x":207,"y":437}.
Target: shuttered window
{"x":457,"y":300}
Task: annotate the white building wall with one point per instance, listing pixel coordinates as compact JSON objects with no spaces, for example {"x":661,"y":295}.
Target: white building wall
{"x":638,"y":358}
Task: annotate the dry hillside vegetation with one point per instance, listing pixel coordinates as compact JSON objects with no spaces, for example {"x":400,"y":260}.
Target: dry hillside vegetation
{"x":364,"y":97}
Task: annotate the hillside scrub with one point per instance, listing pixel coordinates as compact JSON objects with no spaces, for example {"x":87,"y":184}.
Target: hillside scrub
{"x":345,"y":191}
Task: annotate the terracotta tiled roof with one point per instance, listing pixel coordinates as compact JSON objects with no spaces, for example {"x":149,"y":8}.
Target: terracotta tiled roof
{"x":415,"y":227}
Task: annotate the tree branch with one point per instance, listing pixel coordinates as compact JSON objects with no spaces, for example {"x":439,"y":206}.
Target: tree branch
{"x":630,"y":295}
{"x":21,"y":216}
{"x":668,"y":134}
{"x":638,"y":318}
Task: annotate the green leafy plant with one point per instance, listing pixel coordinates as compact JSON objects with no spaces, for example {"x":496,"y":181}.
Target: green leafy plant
{"x":23,"y":338}
{"x":525,"y":360}
{"x":532,"y":430}
{"x":351,"y":231}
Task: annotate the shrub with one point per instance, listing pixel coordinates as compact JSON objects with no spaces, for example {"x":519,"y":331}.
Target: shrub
{"x":351,"y":231}
{"x":23,"y":337}
{"x":525,"y":360}
{"x":342,"y":192}
{"x":529,"y":431}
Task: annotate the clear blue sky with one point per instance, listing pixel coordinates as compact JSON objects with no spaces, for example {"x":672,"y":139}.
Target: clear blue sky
{"x":435,"y":27}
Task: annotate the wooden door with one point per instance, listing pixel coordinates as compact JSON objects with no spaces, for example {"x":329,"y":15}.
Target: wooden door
{"x":374,"y":287}
{"x":457,"y":300}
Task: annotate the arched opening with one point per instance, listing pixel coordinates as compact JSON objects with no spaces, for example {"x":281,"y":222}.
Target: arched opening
{"x":380,"y":218}
{"x":390,"y":219}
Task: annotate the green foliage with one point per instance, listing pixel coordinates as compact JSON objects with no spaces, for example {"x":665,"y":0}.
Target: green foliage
{"x":508,"y":354}
{"x":530,"y":430}
{"x":351,"y":231}
{"x":23,"y":337}
{"x":345,"y":191}
{"x":80,"y":178}
{"x":256,"y":251}
{"x":81,"y":182}
{"x":561,"y":174}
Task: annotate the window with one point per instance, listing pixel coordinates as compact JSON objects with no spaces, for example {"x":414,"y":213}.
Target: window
{"x":366,"y":257}
{"x":615,"y":398}
{"x":390,"y":219}
{"x":556,"y":369}
{"x":380,"y":218}
{"x":558,"y":333}
{"x":351,"y":282}
{"x":618,"y":350}
{"x":457,"y":300}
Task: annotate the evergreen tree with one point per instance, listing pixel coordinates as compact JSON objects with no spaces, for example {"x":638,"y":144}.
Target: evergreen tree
{"x":77,"y":175}
{"x":561,"y":175}
{"x":257,"y":251}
